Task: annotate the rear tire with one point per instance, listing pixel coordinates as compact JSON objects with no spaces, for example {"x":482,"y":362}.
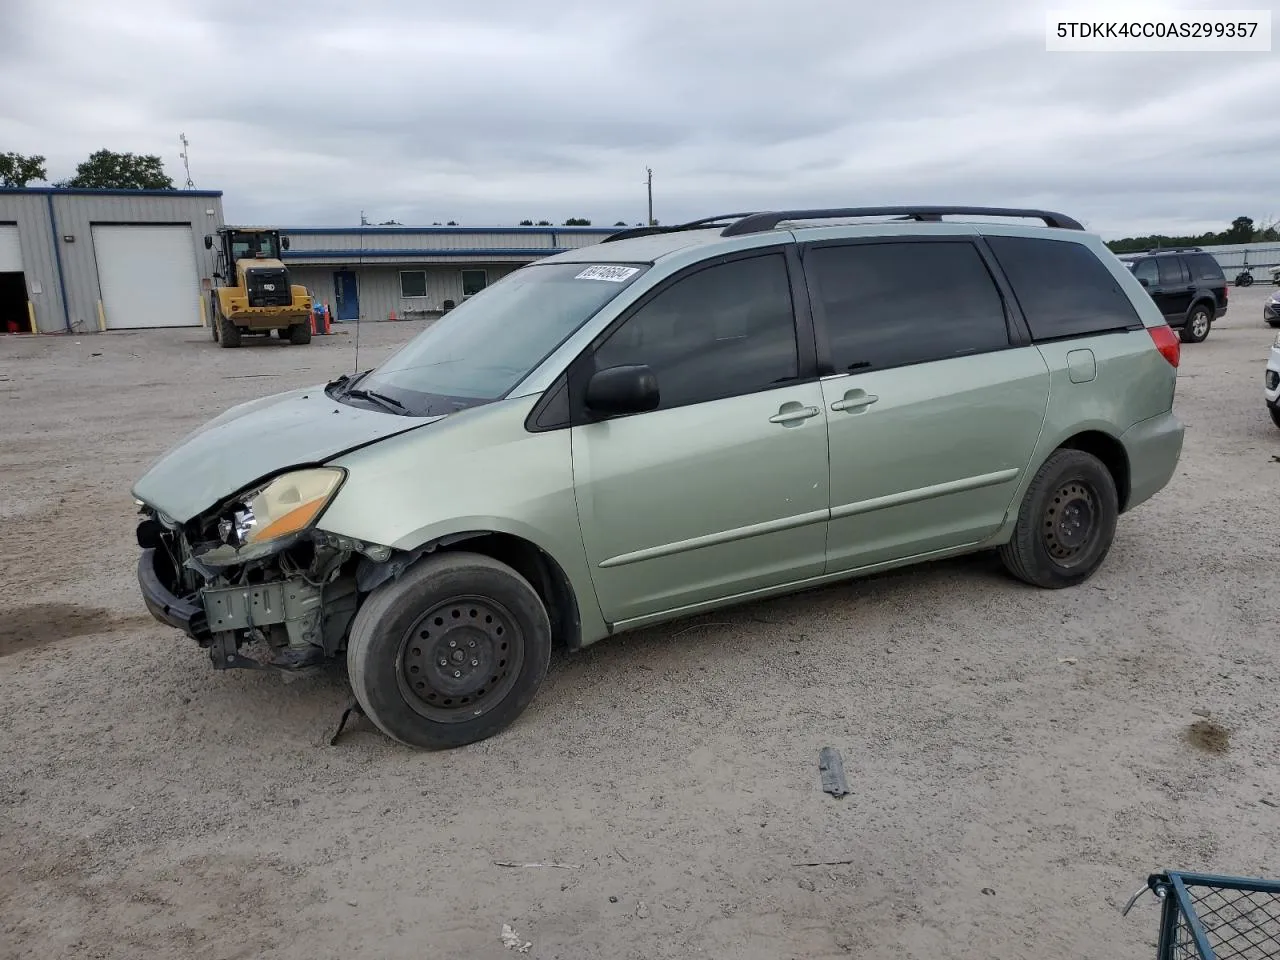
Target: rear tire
{"x":1275,"y":415}
{"x":1196,"y":329}
{"x":228,"y":333}
{"x":449,"y":653}
{"x":1066,"y":523}
{"x":299,"y":334}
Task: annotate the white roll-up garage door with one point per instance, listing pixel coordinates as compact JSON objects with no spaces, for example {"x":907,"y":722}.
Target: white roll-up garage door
{"x":147,"y":275}
{"x":10,"y":250}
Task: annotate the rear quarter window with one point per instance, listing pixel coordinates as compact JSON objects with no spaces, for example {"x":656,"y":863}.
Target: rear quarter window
{"x":1204,"y":267}
{"x":1063,"y":288}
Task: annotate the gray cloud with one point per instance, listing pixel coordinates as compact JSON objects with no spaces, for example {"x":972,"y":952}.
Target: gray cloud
{"x":489,"y":113}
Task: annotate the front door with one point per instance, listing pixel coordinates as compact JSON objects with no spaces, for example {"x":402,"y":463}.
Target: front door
{"x":723,"y":489}
{"x":934,"y":411}
{"x":346,"y":295}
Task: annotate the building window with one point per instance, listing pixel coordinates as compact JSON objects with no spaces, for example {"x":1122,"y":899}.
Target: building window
{"x":473,"y":281}
{"x":413,"y":283}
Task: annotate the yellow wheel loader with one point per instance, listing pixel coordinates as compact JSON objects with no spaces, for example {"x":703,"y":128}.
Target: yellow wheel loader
{"x":254,"y":295}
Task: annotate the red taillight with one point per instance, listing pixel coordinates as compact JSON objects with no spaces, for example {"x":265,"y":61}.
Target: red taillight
{"x":1166,"y":342}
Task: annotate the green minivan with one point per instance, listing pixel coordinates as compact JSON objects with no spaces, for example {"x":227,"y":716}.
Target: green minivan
{"x":673,"y":420}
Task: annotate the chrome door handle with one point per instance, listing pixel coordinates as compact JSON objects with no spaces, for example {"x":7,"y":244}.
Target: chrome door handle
{"x":799,"y":413}
{"x":855,"y":403}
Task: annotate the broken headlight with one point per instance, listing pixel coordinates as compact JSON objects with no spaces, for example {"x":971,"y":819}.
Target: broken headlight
{"x":289,"y":503}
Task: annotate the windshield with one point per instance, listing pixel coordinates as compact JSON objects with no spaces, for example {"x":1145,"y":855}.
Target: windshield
{"x":251,"y":245}
{"x":480,"y":350}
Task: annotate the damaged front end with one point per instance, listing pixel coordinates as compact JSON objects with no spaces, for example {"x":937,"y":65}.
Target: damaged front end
{"x":254,"y":569}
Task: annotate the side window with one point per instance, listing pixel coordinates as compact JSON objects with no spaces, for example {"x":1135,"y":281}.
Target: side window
{"x":889,"y":304}
{"x":1204,"y":267}
{"x":1172,"y":272}
{"x":1146,"y":270}
{"x":721,"y":332}
{"x":1063,"y":288}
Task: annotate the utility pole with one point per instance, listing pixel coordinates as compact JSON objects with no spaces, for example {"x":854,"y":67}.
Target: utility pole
{"x":649,"y":171}
{"x":186,"y":162}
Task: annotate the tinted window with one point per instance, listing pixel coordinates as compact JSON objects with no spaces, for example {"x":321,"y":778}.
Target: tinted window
{"x":1171,"y":271}
{"x":1204,"y":267}
{"x":888,"y":304}
{"x":1146,"y":270}
{"x":1063,"y":288}
{"x":723,"y":331}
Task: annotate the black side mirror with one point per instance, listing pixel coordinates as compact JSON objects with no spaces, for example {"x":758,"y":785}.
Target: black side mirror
{"x":620,"y":390}
{"x":1144,"y":281}
{"x":208,"y":242}
{"x":284,"y":243}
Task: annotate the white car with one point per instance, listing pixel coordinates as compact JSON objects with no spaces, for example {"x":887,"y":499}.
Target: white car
{"x":1272,"y":391}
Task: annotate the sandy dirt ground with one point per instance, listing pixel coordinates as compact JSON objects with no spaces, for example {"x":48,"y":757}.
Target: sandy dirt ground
{"x":1004,"y":802}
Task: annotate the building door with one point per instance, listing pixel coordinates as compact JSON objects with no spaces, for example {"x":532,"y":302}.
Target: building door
{"x":346,"y":295}
{"x":147,"y":275}
{"x":14,"y":315}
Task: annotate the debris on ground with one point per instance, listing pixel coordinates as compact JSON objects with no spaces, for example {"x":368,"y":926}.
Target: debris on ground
{"x":1202,"y":712}
{"x":551,"y":866}
{"x":831,"y":766}
{"x":806,"y":884}
{"x":1069,"y":661}
{"x":512,"y":942}
{"x":988,"y":892}
{"x":642,"y":910}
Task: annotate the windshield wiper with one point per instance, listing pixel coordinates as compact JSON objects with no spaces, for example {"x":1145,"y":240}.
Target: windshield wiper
{"x":387,"y":403}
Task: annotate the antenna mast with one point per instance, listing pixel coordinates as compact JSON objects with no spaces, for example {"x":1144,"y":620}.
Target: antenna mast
{"x":186,"y":162}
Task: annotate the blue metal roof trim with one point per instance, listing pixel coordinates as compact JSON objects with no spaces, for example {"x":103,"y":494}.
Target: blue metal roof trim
{"x":108,"y":192}
{"x":480,"y":252}
{"x":353,"y":231}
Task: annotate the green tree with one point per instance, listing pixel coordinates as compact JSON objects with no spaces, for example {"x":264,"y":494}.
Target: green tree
{"x":17,"y":170}
{"x":621,"y":223}
{"x":1240,"y":231}
{"x":526,"y":223}
{"x":106,"y":169}
{"x":544,"y":223}
{"x":577,"y":222}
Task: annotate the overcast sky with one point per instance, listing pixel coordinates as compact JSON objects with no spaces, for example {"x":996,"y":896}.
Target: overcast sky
{"x":491,"y":111}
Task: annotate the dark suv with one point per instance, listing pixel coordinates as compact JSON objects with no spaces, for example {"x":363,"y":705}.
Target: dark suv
{"x":1187,"y":285}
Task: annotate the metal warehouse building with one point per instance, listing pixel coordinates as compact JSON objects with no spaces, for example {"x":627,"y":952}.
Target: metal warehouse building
{"x":84,"y":260}
{"x":376,"y":273}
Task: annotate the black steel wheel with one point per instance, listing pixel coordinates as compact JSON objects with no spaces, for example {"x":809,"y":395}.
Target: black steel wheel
{"x":1070,"y":516}
{"x":1066,"y":523}
{"x":449,"y":653}
{"x":1196,"y":328}
{"x":460,"y":658}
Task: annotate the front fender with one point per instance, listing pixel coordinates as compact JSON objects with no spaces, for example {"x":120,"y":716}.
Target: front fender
{"x":475,"y":471}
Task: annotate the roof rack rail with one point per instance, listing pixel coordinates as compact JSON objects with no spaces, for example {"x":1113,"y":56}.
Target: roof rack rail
{"x":760,"y":222}
{"x":701,"y":224}
{"x":1174,"y":250}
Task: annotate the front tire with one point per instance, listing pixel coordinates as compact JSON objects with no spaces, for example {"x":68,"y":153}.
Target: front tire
{"x":451,"y":652}
{"x":1275,"y":415}
{"x":1196,"y":329}
{"x":1066,"y":523}
{"x":228,"y":333}
{"x":299,"y":334}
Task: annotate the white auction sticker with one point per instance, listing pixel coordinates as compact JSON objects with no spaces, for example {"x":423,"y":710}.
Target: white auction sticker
{"x":612,"y":274}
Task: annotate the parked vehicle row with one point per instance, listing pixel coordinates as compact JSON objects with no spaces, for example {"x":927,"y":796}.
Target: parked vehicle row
{"x":674,"y":420}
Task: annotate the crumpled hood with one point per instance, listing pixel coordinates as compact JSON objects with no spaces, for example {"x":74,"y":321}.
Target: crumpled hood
{"x":256,"y":439}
